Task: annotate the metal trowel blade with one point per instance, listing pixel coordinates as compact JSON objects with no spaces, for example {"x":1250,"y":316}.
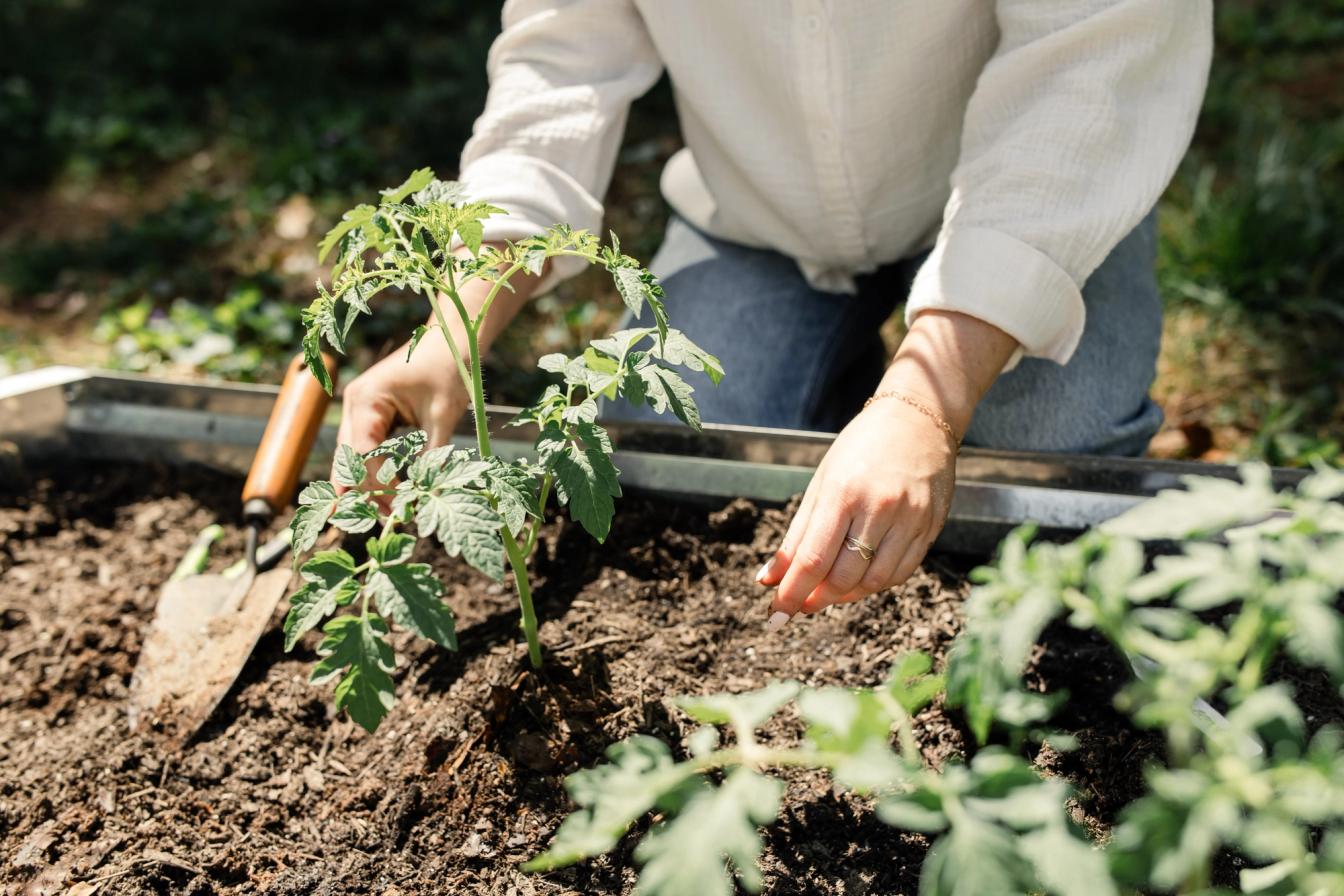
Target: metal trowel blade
{"x":197,"y":645}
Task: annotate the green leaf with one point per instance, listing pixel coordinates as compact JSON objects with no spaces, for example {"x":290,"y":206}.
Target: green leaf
{"x":553,"y":363}
{"x":328,"y":583}
{"x":585,"y":481}
{"x":920,"y":811}
{"x":515,"y":492}
{"x":355,"y":512}
{"x":1209,"y":505}
{"x":398,"y":450}
{"x":312,"y":357}
{"x":316,"y":503}
{"x":687,"y":854}
{"x":678,"y":349}
{"x":416,"y":335}
{"x":348,"y":468}
{"x":411,"y":596}
{"x":611,"y":797}
{"x":1065,"y":863}
{"x":471,"y":231}
{"x":419,"y":180}
{"x":631,"y":288}
{"x":975,"y":858}
{"x":665,"y":389}
{"x":356,"y":217}
{"x":745,"y":712}
{"x":353,"y":648}
{"x":467,"y":525}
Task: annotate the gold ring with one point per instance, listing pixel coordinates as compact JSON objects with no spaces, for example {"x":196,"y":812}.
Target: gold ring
{"x":865,"y":551}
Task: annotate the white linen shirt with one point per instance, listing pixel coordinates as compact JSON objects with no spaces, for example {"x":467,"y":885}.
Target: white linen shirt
{"x":1023,"y":139}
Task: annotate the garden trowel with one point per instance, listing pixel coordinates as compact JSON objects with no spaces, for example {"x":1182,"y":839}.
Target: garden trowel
{"x":205,"y":626}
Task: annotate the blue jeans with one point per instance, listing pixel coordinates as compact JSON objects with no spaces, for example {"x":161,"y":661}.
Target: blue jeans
{"x":799,"y":358}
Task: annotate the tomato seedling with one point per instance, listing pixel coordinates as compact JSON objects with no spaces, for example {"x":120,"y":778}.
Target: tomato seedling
{"x":1212,"y":621}
{"x":480,"y":507}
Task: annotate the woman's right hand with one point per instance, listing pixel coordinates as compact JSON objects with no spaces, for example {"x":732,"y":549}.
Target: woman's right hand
{"x":425,"y":392}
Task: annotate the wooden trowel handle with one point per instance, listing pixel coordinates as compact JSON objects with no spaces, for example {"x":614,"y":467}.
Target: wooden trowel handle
{"x":288,"y":439}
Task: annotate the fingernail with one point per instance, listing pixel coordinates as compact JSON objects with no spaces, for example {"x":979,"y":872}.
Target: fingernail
{"x":763,"y":571}
{"x":777,"y":621}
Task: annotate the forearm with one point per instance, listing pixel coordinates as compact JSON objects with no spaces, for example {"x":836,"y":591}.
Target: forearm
{"x":949,"y":360}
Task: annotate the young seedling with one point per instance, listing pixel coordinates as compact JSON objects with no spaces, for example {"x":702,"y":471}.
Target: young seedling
{"x":1212,"y":619}
{"x":480,"y":507}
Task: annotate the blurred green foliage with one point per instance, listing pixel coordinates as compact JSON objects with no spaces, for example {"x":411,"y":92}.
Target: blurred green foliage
{"x":321,"y":96}
{"x":182,"y":128}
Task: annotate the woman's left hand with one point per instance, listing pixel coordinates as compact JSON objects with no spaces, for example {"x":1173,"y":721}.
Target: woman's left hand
{"x":886,"y":485}
{"x":881,"y":494}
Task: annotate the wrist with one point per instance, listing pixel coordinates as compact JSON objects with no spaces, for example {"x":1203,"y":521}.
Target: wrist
{"x":948,"y":361}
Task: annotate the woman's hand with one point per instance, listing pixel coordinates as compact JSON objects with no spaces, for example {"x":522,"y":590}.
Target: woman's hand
{"x":425,"y":392}
{"x":882,"y":492}
{"x":886,"y":483}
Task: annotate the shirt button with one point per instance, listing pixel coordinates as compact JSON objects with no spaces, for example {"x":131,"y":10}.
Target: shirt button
{"x":811,"y":24}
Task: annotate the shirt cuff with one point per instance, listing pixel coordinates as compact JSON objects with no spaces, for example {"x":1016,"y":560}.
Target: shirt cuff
{"x":1001,"y":280}
{"x":536,"y":195}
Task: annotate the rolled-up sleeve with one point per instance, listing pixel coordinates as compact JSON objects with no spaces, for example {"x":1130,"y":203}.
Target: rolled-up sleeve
{"x":1075,"y":127}
{"x":562,"y":76}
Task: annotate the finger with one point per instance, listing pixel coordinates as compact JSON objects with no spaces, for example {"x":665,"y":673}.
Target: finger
{"x":914,"y":555}
{"x":813,"y":559}
{"x":850,"y":564}
{"x":875,"y":576}
{"x":773,"y":570}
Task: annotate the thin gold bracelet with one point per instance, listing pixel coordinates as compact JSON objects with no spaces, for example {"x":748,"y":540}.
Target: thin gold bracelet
{"x":926,"y":411}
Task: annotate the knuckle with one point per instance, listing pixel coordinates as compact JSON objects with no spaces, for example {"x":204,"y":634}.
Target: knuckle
{"x":873,"y":582}
{"x":811,"y":563}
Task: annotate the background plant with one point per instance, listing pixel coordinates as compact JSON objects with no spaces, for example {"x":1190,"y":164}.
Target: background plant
{"x":479,"y":506}
{"x":1259,"y":580}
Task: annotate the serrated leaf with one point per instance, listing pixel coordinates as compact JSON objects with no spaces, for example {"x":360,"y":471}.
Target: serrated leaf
{"x":312,"y":358}
{"x":416,"y":335}
{"x":356,"y":217}
{"x":515,"y":493}
{"x":593,"y":436}
{"x":611,"y":797}
{"x":677,"y":348}
{"x":398,"y":450}
{"x":355,"y":512}
{"x":630,"y":287}
{"x":348,"y":467}
{"x":467,"y":525}
{"x":471,"y":231}
{"x":418,"y":180}
{"x":353,"y":648}
{"x":583,"y":412}
{"x":1209,"y":505}
{"x":316,"y":503}
{"x":411,"y":596}
{"x":747,"y":711}
{"x":449,"y":192}
{"x":665,"y":390}
{"x":686,"y":855}
{"x":585,"y":481}
{"x":553,"y":363}
{"x":328,"y":583}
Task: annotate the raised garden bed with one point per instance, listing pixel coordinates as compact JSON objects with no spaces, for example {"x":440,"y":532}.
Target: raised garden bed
{"x":463,"y":781}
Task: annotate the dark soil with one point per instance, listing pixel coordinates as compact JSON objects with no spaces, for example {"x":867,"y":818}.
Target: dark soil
{"x":464,"y":779}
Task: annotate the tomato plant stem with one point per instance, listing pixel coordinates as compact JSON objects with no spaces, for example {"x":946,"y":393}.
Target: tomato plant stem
{"x":518,"y":563}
